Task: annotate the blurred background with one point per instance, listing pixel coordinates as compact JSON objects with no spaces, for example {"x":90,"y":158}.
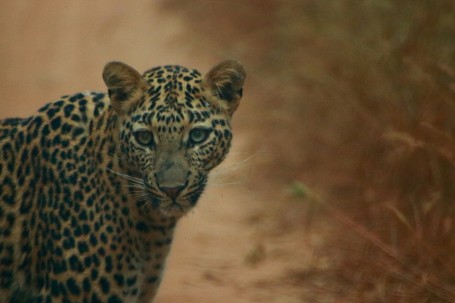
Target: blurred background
{"x":340,"y":184}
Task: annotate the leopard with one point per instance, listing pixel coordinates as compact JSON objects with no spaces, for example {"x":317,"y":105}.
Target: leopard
{"x":93,"y":184}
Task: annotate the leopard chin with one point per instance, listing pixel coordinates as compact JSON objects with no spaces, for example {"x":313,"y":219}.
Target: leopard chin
{"x":180,"y":206}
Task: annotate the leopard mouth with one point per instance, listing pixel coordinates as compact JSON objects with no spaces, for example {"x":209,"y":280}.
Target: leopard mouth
{"x":180,"y":205}
{"x":174,"y":209}
{"x":175,"y":206}
{"x":167,"y":206}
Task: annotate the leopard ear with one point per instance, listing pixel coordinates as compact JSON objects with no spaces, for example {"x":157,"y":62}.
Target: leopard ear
{"x":125,"y":85}
{"x":224,"y":84}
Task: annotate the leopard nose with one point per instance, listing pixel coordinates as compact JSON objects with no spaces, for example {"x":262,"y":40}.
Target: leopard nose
{"x":172,"y":192}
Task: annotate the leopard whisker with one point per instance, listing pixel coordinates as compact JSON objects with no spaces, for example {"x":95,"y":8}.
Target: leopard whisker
{"x":234,"y":167}
{"x":134,"y":180}
{"x":137,"y":191}
{"x":225,"y":184}
{"x":138,"y":195}
{"x":139,"y":186}
{"x":141,"y":197}
{"x":146,"y":206}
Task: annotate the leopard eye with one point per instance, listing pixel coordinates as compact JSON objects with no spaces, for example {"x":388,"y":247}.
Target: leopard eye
{"x":144,"y":137}
{"x":199,"y":135}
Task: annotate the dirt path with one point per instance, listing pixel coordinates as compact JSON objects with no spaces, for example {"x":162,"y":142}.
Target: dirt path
{"x":53,"y":48}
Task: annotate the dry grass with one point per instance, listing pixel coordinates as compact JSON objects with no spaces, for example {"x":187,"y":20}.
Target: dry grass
{"x":365,"y":92}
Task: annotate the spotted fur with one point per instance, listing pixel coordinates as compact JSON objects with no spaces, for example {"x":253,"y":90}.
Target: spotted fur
{"x":92,"y":185}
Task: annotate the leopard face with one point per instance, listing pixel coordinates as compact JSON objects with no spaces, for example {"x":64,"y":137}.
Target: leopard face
{"x":174,"y":127}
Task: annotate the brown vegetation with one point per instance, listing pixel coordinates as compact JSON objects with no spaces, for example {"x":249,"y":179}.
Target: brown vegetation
{"x":355,"y":101}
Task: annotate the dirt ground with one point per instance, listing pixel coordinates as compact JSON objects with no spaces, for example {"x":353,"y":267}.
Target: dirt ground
{"x":221,"y":252}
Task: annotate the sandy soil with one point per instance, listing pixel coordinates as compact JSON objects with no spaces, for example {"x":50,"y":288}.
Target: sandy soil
{"x":221,"y":252}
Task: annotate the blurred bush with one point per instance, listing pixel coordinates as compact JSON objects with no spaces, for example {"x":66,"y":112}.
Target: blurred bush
{"x":356,"y":98}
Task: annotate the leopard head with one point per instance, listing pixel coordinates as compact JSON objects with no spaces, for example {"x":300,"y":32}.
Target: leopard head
{"x":174,"y":126}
